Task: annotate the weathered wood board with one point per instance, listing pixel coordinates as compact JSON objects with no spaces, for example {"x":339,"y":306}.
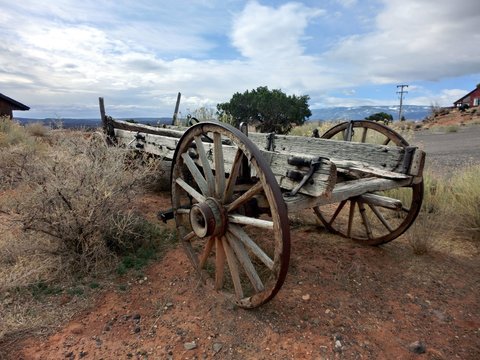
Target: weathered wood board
{"x":322,"y":182}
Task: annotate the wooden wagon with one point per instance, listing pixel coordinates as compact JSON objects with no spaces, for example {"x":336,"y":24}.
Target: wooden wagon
{"x":232,"y":193}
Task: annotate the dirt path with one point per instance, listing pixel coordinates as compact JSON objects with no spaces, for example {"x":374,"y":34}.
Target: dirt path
{"x":340,"y":301}
{"x":447,"y":151}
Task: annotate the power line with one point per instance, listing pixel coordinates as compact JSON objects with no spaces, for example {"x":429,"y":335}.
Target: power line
{"x":401,"y":92}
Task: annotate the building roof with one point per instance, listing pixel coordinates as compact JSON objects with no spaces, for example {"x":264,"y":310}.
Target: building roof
{"x":463,"y":97}
{"x":15,"y":104}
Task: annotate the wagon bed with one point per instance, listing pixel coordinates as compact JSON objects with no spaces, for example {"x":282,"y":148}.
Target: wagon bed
{"x":232,"y":193}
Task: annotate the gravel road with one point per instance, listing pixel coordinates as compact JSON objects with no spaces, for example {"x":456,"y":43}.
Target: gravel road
{"x":450,"y":151}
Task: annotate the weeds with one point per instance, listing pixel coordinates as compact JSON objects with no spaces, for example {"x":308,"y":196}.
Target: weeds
{"x":465,"y":202}
{"x":69,"y":197}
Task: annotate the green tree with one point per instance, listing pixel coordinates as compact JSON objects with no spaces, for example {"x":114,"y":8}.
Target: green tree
{"x":273,"y":109}
{"x":381,"y":116}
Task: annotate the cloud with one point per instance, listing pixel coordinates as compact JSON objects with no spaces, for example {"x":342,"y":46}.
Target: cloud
{"x":142,"y":53}
{"x":414,"y":40}
{"x":262,"y":32}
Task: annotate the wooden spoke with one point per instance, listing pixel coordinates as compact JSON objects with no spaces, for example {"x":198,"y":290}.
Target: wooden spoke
{"x":241,"y":235}
{"x":206,"y":252}
{"x":334,"y":216}
{"x":247,"y":195}
{"x":350,"y":217}
{"x":387,"y":141}
{"x":183,"y":211}
{"x":232,"y":178}
{"x":189,"y":236}
{"x":233,"y":266}
{"x":219,"y":264}
{"x":364,"y":135}
{"x":195,"y":171}
{"x":191,"y":191}
{"x":245,"y":220}
{"x":207,"y":170}
{"x":380,"y":217}
{"x":219,"y":165}
{"x":366,"y":223}
{"x":244,"y":259}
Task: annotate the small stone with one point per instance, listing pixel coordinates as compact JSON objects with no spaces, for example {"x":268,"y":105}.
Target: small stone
{"x":306,"y":297}
{"x":338,"y":345}
{"x":217,"y":347}
{"x":169,"y":305}
{"x":417,"y":347}
{"x":327,"y":311}
{"x":76,"y":329}
{"x":190,"y":345}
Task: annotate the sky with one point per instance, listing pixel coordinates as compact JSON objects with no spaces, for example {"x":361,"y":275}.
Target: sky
{"x":59,"y":57}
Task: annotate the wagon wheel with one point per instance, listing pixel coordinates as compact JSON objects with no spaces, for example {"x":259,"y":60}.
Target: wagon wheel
{"x":363,"y":218}
{"x":234,"y":227}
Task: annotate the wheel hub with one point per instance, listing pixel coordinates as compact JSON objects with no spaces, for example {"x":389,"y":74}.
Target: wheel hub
{"x":208,"y":218}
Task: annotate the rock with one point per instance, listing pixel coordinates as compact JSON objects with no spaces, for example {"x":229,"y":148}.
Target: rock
{"x":76,"y":328}
{"x":217,"y":347}
{"x":306,"y":297}
{"x":417,"y":347}
{"x":190,"y":345}
{"x":338,"y":346}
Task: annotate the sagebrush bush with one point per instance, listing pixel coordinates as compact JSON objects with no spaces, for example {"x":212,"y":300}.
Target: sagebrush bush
{"x":69,"y":192}
{"x":75,"y":195}
{"x":37,"y":129}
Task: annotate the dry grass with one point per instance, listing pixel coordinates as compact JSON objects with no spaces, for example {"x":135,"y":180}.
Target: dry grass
{"x":65,"y":216}
{"x":62,"y":200}
{"x":307,"y":128}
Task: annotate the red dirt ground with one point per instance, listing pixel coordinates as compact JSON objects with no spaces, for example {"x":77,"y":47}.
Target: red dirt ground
{"x":340,"y":301}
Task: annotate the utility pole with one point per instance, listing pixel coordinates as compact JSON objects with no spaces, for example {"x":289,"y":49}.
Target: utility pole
{"x":401,"y":92}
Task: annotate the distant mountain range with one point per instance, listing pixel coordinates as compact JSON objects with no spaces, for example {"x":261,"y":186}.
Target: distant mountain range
{"x":411,"y":112}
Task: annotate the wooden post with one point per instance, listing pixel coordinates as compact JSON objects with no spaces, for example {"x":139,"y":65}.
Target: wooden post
{"x":102,"y":114}
{"x":177,"y":105}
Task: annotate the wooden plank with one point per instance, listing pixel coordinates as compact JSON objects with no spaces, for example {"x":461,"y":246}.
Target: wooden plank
{"x":383,"y":157}
{"x":323,"y":180}
{"x":344,"y":191}
{"x":361,"y":169}
{"x":171,"y":131}
{"x":163,"y":146}
{"x":417,"y":164}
